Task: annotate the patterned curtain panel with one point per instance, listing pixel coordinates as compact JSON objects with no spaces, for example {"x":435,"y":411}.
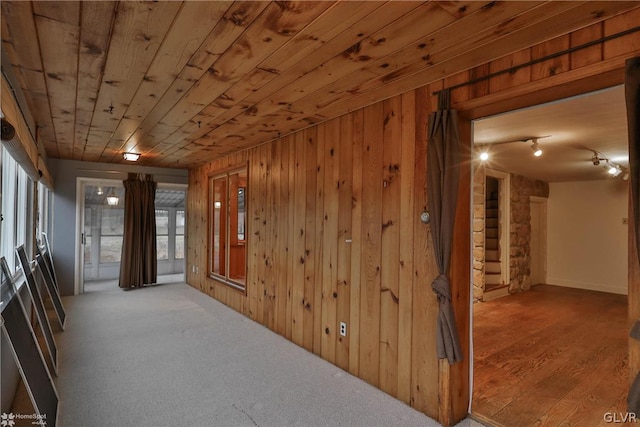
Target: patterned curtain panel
{"x":138,"y":265}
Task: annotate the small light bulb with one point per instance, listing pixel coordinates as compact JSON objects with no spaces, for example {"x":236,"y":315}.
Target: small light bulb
{"x":484,"y":156}
{"x":537,"y":153}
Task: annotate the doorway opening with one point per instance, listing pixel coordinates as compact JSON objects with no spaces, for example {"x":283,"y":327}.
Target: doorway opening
{"x":497,"y":223}
{"x":553,"y":350}
{"x":102,"y":227}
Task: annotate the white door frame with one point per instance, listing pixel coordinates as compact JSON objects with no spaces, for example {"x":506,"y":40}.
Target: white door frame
{"x":542,"y":234}
{"x":81,"y":183}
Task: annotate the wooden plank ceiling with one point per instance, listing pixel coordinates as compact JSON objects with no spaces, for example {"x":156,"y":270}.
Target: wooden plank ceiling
{"x":185,"y":82}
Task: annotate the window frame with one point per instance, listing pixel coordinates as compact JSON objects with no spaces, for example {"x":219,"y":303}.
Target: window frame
{"x":211,"y":274}
{"x":179,"y":235}
{"x":167,"y":234}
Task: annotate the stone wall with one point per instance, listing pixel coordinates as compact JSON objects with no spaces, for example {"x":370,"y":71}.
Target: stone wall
{"x":478,"y":231}
{"x":522,"y":189}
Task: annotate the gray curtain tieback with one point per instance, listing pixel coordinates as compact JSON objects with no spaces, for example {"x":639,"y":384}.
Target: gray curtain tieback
{"x":441,"y":287}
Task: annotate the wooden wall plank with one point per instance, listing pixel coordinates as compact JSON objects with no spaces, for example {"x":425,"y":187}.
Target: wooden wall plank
{"x":290,"y":205}
{"x":318,"y":249}
{"x":590,"y":55}
{"x":457,"y":402}
{"x":356,"y":246}
{"x":508,"y":80}
{"x":312,"y":234}
{"x":371,"y":240}
{"x":424,"y":365}
{"x":626,"y":44}
{"x":262,"y":154}
{"x":254,"y":221}
{"x":331,"y":135}
{"x":390,"y":244}
{"x":345,"y":236}
{"x":281,"y":257}
{"x":299,"y":235}
{"x":406,"y":256}
{"x":553,"y":66}
{"x":271,"y":239}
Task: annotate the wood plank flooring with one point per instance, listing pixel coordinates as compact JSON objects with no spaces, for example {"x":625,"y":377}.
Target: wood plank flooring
{"x":551,"y":356}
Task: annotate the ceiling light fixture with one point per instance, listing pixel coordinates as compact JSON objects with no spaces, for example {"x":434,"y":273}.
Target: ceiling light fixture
{"x":537,"y":151}
{"x":484,"y":156}
{"x":100,"y":192}
{"x":132,"y":157}
{"x":112,"y":198}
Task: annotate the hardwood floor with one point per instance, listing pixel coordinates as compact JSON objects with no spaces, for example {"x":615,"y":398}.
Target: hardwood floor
{"x":551,"y":356}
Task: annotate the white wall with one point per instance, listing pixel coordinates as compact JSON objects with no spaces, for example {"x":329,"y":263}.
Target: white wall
{"x":587,"y":240}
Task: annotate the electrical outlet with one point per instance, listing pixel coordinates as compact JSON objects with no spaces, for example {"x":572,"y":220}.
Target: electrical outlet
{"x":343,"y":329}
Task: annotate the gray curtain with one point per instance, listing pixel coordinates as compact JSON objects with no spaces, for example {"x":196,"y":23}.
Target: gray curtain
{"x":138,"y":265}
{"x":443,"y":160}
{"x":632,"y":95}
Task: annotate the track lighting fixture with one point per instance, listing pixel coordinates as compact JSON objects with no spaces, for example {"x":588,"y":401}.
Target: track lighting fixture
{"x":614,"y":169}
{"x":537,"y":151}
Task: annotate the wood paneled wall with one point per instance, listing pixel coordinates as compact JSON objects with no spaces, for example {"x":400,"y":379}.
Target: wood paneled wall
{"x":334,"y":236}
{"x":334,"y":230}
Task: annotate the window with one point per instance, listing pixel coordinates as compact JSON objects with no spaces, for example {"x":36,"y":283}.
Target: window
{"x":111,"y":230}
{"x":17,"y":218}
{"x":180,"y":220}
{"x":227,"y":228}
{"x":88,"y":217}
{"x":162,"y":233}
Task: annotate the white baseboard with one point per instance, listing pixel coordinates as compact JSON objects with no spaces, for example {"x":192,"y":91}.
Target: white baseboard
{"x":600,"y":287}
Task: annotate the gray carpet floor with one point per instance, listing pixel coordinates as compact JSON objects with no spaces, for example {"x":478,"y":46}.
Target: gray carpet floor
{"x":169,"y":355}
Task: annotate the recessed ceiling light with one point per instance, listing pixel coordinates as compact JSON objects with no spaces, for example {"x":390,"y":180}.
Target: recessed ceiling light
{"x":484,"y":156}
